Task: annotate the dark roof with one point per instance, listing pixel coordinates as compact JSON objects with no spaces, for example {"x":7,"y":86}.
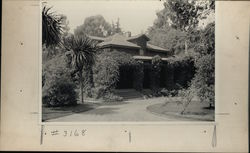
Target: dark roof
{"x":137,"y":36}
{"x":148,"y":58}
{"x":123,"y":41}
{"x":117,"y":40}
{"x":97,"y":38}
{"x":156,"y":48}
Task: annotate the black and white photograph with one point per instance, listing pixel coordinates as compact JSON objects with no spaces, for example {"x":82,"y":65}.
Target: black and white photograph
{"x":128,"y":61}
{"x":125,"y":75}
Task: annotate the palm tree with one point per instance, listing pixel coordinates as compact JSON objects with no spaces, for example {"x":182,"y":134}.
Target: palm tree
{"x":83,"y":50}
{"x":52,"y":27}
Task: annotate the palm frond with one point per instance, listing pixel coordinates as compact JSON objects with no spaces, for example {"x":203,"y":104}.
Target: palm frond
{"x":84,"y":50}
{"x":51,"y":27}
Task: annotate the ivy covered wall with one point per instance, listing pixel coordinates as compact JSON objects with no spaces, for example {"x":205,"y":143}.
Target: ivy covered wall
{"x":173,"y":73}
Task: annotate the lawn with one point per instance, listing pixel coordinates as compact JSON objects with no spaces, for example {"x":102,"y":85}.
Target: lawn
{"x":172,"y":107}
{"x":152,"y":109}
{"x":56,"y":112}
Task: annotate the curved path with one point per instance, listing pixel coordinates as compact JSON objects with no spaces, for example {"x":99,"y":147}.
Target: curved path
{"x":125,"y":111}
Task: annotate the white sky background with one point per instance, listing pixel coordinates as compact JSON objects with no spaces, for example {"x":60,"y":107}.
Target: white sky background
{"x":135,"y":15}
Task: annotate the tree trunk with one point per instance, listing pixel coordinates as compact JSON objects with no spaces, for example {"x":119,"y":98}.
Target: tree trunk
{"x":186,"y":105}
{"x":186,"y":47}
{"x":81,"y":86}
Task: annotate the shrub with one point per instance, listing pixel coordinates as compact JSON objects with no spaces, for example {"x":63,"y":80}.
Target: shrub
{"x":58,"y":88}
{"x":106,"y":71}
{"x":106,"y":74}
{"x":155,"y":75}
{"x":110,"y":97}
{"x":169,"y":93}
{"x":204,"y":79}
{"x":164,"y":92}
{"x":138,"y":76}
{"x":60,"y":93}
{"x":187,"y":96}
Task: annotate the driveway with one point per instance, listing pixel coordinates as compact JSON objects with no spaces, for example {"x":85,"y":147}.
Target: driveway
{"x":134,"y":110}
{"x":124,"y":111}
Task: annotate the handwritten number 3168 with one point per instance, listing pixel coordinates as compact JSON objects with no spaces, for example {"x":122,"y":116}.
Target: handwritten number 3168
{"x":74,"y":133}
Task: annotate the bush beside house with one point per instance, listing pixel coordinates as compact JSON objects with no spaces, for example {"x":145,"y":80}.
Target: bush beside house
{"x":59,"y":88}
{"x":106,"y":73}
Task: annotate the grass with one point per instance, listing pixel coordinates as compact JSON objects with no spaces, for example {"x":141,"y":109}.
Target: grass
{"x":56,"y":112}
{"x":195,"y":110}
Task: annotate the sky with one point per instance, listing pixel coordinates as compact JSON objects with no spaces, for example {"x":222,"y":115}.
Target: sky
{"x":135,"y":15}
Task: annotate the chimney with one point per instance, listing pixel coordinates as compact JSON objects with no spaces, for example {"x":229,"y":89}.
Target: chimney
{"x":128,"y":34}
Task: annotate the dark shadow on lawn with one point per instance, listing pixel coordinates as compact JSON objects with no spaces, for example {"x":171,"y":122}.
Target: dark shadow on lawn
{"x":77,"y":108}
{"x":56,"y":112}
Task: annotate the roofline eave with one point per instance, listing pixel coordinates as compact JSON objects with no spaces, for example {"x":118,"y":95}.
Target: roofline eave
{"x":156,"y":50}
{"x":115,"y":45}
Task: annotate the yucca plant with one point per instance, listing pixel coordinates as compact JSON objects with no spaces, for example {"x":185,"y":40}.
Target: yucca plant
{"x":51,"y":27}
{"x":83,"y":53}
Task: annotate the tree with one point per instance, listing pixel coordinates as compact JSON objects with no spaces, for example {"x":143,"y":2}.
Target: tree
{"x":51,"y":27}
{"x":65,"y":25}
{"x":204,"y":79}
{"x":83,"y":55}
{"x":166,"y":37}
{"x":186,"y":14}
{"x":115,"y":28}
{"x":54,"y":29}
{"x":94,"y":26}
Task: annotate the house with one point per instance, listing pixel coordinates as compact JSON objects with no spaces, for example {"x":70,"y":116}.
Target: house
{"x":137,"y":46}
{"x":141,"y":50}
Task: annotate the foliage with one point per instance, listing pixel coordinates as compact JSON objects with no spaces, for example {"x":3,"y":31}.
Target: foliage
{"x":115,"y":28}
{"x":106,"y":70}
{"x":65,"y":24}
{"x":138,"y":76}
{"x":51,"y":27}
{"x":94,"y":26}
{"x":60,"y":93}
{"x":166,"y":37}
{"x":180,"y":61}
{"x":156,"y":61}
{"x":106,"y":73}
{"x":204,"y":79}
{"x":83,"y":49}
{"x":180,"y":71}
{"x":110,"y":97}
{"x":83,"y":55}
{"x":155,"y":74}
{"x":176,"y":26}
{"x":51,"y":52}
{"x":186,"y":96}
{"x":58,"y":86}
{"x":169,"y":93}
{"x":185,"y":14}
{"x":206,"y":43}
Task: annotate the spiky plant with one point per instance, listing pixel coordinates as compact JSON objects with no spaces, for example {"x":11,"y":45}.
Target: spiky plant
{"x":51,"y":27}
{"x":83,"y":53}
